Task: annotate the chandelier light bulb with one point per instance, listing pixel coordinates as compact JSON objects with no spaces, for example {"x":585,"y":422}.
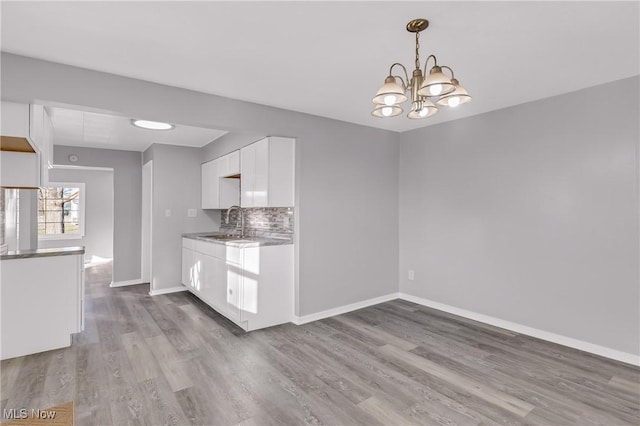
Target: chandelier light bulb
{"x":423,"y":112}
{"x":384,"y":111}
{"x":390,"y":100}
{"x":435,"y":90}
{"x":454,"y":101}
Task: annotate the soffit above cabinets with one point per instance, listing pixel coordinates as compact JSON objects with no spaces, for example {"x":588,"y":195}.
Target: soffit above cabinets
{"x":96,"y":130}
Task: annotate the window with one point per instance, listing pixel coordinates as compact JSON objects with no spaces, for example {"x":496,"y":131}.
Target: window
{"x":61,"y":211}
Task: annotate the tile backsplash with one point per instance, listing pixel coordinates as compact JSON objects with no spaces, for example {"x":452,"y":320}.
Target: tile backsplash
{"x":277,"y":220}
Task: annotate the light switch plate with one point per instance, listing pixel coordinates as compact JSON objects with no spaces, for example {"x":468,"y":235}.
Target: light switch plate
{"x":167,"y":213}
{"x":191,"y":212}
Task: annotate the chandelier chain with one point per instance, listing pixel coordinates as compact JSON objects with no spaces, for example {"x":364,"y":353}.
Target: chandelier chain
{"x":417,"y":50}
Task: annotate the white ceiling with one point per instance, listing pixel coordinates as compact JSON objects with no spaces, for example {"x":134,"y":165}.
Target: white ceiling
{"x":329,"y":58}
{"x":90,"y":129}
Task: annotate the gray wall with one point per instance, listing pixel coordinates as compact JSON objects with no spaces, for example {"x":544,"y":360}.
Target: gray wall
{"x":127,"y":203}
{"x":347,"y":175}
{"x":98,"y":218}
{"x":176,"y":187}
{"x":530,"y":214}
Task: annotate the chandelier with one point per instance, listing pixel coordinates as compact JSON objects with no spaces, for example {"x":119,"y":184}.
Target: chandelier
{"x":427,"y":93}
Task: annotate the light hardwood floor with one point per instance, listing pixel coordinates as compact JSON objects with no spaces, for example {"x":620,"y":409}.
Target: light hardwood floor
{"x":172,"y":360}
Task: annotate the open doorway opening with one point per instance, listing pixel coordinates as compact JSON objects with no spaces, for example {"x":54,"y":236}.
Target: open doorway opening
{"x":77,"y":208}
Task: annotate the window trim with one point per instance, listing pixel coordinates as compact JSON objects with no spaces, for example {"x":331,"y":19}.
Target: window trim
{"x":81,"y":212}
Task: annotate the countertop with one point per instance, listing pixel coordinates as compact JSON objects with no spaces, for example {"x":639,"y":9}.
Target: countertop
{"x":48,"y":252}
{"x":240,"y":242}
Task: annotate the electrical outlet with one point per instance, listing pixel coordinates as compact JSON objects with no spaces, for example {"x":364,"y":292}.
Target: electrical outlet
{"x":191,"y":212}
{"x":167,"y":213}
{"x":411,"y":275}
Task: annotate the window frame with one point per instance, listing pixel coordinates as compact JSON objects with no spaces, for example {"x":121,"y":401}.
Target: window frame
{"x":81,"y":212}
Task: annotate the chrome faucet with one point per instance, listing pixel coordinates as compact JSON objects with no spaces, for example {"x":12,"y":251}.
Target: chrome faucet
{"x":240,"y":220}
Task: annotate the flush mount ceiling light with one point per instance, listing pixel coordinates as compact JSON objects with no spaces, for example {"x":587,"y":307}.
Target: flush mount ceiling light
{"x":443,"y":90}
{"x":152,"y":125}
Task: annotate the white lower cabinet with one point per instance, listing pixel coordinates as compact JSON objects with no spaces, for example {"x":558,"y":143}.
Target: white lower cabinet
{"x":42,"y":303}
{"x":252,"y":286}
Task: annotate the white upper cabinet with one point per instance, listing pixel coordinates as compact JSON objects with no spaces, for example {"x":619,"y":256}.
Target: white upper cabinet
{"x":220,"y":182}
{"x":20,"y":156}
{"x":210,"y":187}
{"x":268,"y":173}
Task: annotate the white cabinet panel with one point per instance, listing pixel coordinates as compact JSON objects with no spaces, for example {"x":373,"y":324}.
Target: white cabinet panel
{"x":217,"y":278}
{"x":267,"y":173}
{"x":19,"y":169}
{"x":41,"y":303}
{"x":261,"y":175}
{"x":281,"y":172}
{"x":248,"y":173}
{"x":230,"y":164}
{"x":187,"y":259}
{"x":234,"y":291}
{"x":210,"y":185}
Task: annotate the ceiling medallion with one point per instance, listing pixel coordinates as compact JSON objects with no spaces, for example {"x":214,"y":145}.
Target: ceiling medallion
{"x":427,"y":93}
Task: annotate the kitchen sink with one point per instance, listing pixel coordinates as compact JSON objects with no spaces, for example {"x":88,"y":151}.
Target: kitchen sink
{"x":226,"y":237}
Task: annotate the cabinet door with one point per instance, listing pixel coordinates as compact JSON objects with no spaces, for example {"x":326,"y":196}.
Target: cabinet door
{"x":192,"y":269}
{"x":261,"y":177}
{"x":234,"y":287}
{"x":233,"y":163}
{"x":210,"y":185}
{"x":247,"y":173}
{"x":214,"y":283}
{"x":230,"y":164}
{"x":281,"y":172}
{"x":217,"y":274}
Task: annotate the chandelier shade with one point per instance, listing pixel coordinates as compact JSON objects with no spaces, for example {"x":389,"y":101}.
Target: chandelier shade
{"x":458,"y":97}
{"x":428,"y":92}
{"x":386,"y":111}
{"x":390,"y":93}
{"x":436,"y":84}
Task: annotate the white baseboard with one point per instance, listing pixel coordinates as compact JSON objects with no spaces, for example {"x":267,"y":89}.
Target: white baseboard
{"x":167,"y":290}
{"x":342,"y":309}
{"x":126,"y":283}
{"x":529,"y":331}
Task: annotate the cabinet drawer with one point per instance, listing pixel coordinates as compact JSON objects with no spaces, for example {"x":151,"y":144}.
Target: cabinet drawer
{"x":210,"y":249}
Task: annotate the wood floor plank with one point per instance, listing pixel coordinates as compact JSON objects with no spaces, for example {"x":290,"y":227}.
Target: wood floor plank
{"x":10,"y":369}
{"x":125,"y":398}
{"x":60,"y":384}
{"x":91,"y":402}
{"x":386,"y":413}
{"x":172,"y":365}
{"x":140,"y":356}
{"x":382,"y":336}
{"x":492,"y":396}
